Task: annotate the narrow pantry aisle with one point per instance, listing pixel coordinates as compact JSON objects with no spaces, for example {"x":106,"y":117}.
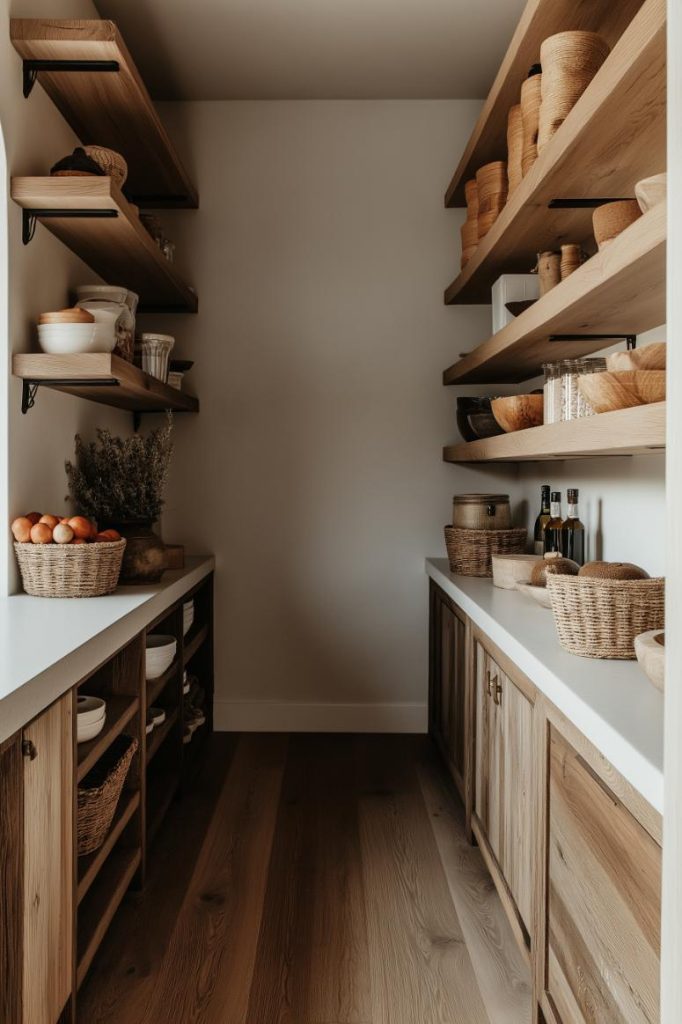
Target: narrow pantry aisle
{"x":310,"y":880}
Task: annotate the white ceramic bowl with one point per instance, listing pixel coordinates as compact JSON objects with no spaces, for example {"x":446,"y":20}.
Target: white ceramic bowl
{"x":187,"y":620}
{"x":538,"y":594}
{"x":89,"y":731}
{"x":67,"y":339}
{"x":90,"y":709}
{"x":107,"y":315}
{"x":159,"y":654}
{"x":112,"y":292}
{"x":157,"y":715}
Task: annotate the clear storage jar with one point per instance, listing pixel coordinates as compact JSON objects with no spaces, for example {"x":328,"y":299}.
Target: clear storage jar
{"x":552,"y":392}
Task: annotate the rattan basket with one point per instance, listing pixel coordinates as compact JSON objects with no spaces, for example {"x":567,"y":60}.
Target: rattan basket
{"x":470,"y":552}
{"x":70,"y":570}
{"x":111,"y":162}
{"x":598,"y":618}
{"x":100,"y":791}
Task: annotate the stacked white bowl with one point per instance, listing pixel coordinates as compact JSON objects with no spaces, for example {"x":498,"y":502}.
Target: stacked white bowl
{"x":68,"y":339}
{"x":159,"y":654}
{"x":91,"y":716}
{"x":187,"y":617}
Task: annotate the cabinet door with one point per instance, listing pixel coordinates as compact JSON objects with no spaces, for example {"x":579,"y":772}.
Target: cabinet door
{"x":48,"y":864}
{"x":603,"y":900}
{"x":517,"y":796}
{"x":447,"y":708}
{"x":489,"y":757}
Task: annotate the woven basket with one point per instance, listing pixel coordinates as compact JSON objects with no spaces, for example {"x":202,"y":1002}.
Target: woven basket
{"x":471,"y":195}
{"x":470,"y":552}
{"x":530,"y":119}
{"x":598,"y":618}
{"x":111,"y":162}
{"x":514,"y":147}
{"x":491,"y":180}
{"x":99,"y":793}
{"x":70,"y":570}
{"x":609,"y":219}
{"x":570,"y":60}
{"x":572,"y":256}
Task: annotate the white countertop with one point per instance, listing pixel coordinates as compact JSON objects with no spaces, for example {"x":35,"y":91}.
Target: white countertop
{"x":47,"y":645}
{"x":611,"y":702}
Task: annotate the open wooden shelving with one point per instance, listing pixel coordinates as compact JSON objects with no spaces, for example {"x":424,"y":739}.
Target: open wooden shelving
{"x":638,"y":431}
{"x":107,"y":106}
{"x":160,"y":732}
{"x":619,"y":291}
{"x":102,"y":377}
{"x":157,"y":686}
{"x":194,"y":642}
{"x":613,"y":136}
{"x":93,"y":218}
{"x":90,"y":864}
{"x":102,"y":902}
{"x":120,"y":710}
{"x":161,"y":791}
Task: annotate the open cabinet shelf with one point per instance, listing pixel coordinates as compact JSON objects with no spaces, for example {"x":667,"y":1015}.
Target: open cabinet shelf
{"x":93,"y":218}
{"x":614,"y":136}
{"x":90,"y":864}
{"x":101,"y":903}
{"x":619,"y":291}
{"x":638,"y":431}
{"x":102,"y":377}
{"x":105,"y":105}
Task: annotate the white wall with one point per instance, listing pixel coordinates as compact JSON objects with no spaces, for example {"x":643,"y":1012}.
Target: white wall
{"x":320,"y":253}
{"x":41,"y":275}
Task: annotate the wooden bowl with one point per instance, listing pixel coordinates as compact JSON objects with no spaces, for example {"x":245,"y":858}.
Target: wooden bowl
{"x":610,"y":219}
{"x":508,"y":570}
{"x":650,"y":651}
{"x":607,"y":391}
{"x":649,"y":357}
{"x":539,"y":594}
{"x":520,"y":412}
{"x":651,"y":191}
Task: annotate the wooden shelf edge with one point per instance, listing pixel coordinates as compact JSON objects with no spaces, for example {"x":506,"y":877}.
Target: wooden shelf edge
{"x":122,"y":872}
{"x":93,"y":749}
{"x":638,"y":431}
{"x":194,"y":644}
{"x":89,"y":866}
{"x":160,"y":734}
{"x":157,"y":686}
{"x":585,"y":303}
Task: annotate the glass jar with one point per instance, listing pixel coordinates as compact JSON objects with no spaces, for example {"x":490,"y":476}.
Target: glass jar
{"x":552,"y":392}
{"x":595,"y":365}
{"x":570,"y":393}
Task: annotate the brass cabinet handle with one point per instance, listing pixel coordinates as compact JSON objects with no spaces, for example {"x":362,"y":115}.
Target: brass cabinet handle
{"x":492,"y":684}
{"x":28,"y":749}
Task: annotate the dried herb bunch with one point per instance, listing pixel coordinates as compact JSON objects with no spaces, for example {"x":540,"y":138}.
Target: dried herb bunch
{"x":115,"y":479}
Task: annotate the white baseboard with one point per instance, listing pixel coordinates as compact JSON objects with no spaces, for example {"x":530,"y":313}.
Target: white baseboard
{"x":290,"y":716}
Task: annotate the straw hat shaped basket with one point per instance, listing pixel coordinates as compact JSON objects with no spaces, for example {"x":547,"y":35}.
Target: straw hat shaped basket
{"x":70,"y":570}
{"x":600,"y":618}
{"x":100,"y":791}
{"x":570,"y":60}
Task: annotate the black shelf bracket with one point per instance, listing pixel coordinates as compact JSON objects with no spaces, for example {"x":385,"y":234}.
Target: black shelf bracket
{"x":580,"y":204}
{"x":30,"y":217}
{"x":33,"y":67}
{"x":629,"y":339}
{"x":30,"y":385}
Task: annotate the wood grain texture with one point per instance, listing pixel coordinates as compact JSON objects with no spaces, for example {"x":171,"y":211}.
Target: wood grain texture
{"x":110,"y":109}
{"x":519,"y":796}
{"x":118,"y":248}
{"x":11,"y":872}
{"x":540,"y":19}
{"x":614,"y":135}
{"x":48,"y":865}
{"x":638,"y":431}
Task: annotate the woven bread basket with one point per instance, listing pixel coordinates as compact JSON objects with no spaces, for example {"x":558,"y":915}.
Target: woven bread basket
{"x":470,"y":552}
{"x":100,"y":791}
{"x":70,"y":570}
{"x":111,"y":162}
{"x":600,"y":618}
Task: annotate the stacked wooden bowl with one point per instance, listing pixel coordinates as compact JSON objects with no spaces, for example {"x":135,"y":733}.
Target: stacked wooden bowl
{"x":514,"y":148}
{"x":469,"y":229}
{"x":572,"y":256}
{"x":570,"y":60}
{"x":530,"y":120}
{"x":492,"y":184}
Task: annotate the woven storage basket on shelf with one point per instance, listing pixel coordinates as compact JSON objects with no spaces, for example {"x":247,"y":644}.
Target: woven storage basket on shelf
{"x":514,"y":147}
{"x":471,"y":196}
{"x":70,"y":570}
{"x":598,"y":618}
{"x":111,"y":162}
{"x":100,"y":791}
{"x":530,"y":119}
{"x":470,"y":552}
{"x":570,"y":60}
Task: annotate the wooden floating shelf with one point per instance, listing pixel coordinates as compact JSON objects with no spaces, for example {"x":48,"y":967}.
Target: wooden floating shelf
{"x":98,"y":908}
{"x":105,"y":378}
{"x":159,"y":734}
{"x":119,"y":712}
{"x":94,"y":219}
{"x":620,"y":290}
{"x":540,"y":19}
{"x":193,"y":644}
{"x":613,"y":136}
{"x":157,"y":686}
{"x":90,"y":865}
{"x":638,"y":431}
{"x":107,"y":108}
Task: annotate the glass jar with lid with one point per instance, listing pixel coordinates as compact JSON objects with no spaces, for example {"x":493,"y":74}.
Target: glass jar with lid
{"x":594,"y":365}
{"x":552,"y":392}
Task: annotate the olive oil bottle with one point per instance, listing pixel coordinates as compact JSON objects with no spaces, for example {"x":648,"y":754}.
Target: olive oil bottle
{"x":541,"y":521}
{"x":573,"y":531}
{"x":553,"y":527}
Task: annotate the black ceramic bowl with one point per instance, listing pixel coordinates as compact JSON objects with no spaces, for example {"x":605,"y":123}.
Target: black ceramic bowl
{"x":475,"y":419}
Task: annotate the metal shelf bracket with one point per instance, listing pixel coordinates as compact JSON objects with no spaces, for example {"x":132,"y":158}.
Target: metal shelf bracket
{"x":579,"y":204}
{"x":30,"y":217}
{"x":29,"y":387}
{"x":33,"y":67}
{"x":629,"y":339}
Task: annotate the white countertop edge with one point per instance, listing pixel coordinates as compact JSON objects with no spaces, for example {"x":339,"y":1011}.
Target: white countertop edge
{"x":121,"y":616}
{"x":638,"y":769}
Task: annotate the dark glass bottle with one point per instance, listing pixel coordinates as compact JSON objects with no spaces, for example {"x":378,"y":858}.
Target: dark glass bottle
{"x":573,"y":531}
{"x":541,"y":521}
{"x":553,"y":536}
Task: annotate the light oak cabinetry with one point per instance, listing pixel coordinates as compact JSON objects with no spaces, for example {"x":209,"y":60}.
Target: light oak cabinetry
{"x":574,"y":851}
{"x":47,"y":745}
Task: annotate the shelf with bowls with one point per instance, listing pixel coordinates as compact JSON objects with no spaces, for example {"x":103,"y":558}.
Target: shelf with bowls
{"x":119,"y":711}
{"x":161,"y":791}
{"x":158,"y":685}
{"x":105,"y":101}
{"x":90,"y":865}
{"x":93,"y":218}
{"x":614,"y":136}
{"x":636,"y":431}
{"x":540,"y":19}
{"x":100,"y":377}
{"x":160,"y":733}
{"x":620,"y":290}
{"x":193,"y":643}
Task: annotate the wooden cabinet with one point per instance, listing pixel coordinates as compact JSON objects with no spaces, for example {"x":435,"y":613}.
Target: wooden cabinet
{"x":48,"y":864}
{"x":448,"y":684}
{"x":503,"y":786}
{"x":603,"y":900}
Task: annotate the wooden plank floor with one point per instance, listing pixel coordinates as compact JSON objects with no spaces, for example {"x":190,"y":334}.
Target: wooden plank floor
{"x":312,"y":880}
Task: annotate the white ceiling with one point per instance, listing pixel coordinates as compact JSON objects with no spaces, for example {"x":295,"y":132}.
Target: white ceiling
{"x":316,"y":49}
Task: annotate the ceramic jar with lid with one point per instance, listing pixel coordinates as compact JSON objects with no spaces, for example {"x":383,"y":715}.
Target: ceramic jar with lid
{"x":481,"y":512}
{"x":112,"y":298}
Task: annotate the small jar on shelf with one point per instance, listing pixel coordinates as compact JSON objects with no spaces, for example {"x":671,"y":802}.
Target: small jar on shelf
{"x":552,"y":392}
